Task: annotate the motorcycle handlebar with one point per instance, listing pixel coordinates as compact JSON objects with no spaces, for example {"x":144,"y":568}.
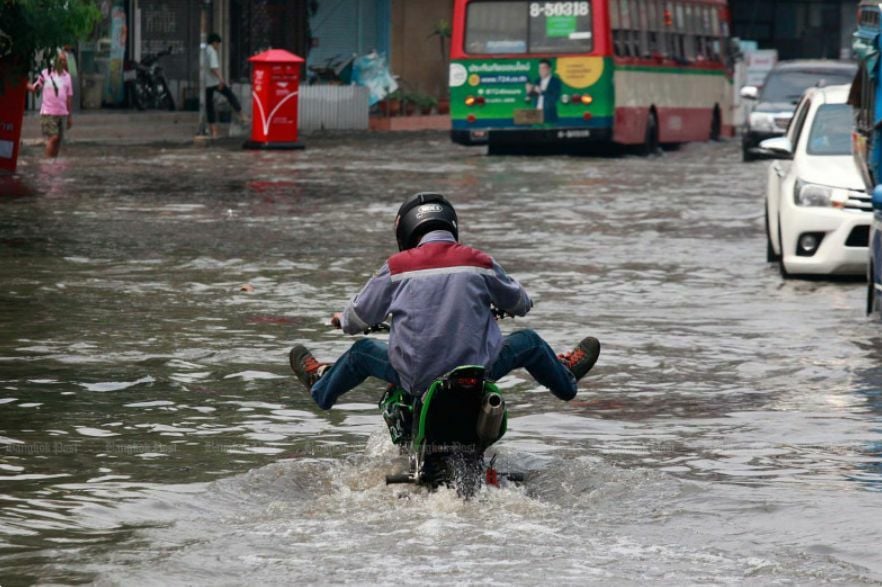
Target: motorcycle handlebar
{"x":385,"y":327}
{"x":152,"y":58}
{"x":381,"y":327}
{"x":500,"y":314}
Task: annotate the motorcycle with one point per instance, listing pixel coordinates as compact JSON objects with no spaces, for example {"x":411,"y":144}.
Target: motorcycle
{"x":147,"y":84}
{"x":447,"y":430}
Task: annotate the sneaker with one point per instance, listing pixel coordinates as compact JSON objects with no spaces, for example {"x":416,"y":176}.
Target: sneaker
{"x":305,"y":366}
{"x":580,"y":360}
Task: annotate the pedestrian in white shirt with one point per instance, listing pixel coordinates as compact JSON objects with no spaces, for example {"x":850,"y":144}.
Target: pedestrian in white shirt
{"x":214,"y":82}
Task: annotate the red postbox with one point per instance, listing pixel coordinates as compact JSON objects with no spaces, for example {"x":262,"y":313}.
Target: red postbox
{"x":275,"y":85}
{"x":12,"y":103}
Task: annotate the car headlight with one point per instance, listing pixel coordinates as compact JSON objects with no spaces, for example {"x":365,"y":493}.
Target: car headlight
{"x":812,"y":194}
{"x":762,"y":121}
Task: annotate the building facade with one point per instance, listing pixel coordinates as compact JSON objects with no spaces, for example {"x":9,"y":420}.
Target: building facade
{"x":403,"y":30}
{"x":797,"y":29}
{"x":340,"y":29}
{"x":132,"y":29}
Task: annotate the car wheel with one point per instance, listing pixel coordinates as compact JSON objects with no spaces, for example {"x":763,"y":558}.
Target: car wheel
{"x":781,"y":266}
{"x":872,"y":302}
{"x":771,"y":257}
{"x":746,"y":155}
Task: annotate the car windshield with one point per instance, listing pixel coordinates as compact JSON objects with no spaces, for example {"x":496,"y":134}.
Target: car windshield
{"x":831,"y":130}
{"x":789,"y":85}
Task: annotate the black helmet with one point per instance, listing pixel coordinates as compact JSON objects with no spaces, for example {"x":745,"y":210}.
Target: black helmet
{"x":423,"y":213}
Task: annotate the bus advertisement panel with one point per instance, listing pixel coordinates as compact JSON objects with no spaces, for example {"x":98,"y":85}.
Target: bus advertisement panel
{"x":627,"y":71}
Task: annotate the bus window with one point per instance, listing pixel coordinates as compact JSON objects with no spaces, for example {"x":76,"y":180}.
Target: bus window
{"x":689,"y":35}
{"x":625,"y":27}
{"x":642,"y":32}
{"x":616,"y":26}
{"x":716,"y":31}
{"x":706,"y":35}
{"x":653,"y":25}
{"x":680,"y":34}
{"x":635,"y":28}
{"x":560,"y":27}
{"x":700,"y":35}
{"x":496,"y":27}
{"x":670,"y":30}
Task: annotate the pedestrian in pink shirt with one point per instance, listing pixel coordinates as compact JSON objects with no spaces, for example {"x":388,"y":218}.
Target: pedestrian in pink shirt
{"x":57,"y":101}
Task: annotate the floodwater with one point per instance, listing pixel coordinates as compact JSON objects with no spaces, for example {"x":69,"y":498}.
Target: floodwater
{"x":151,"y":433}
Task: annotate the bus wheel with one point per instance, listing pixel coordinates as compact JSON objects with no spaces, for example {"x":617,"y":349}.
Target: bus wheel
{"x":716,"y":125}
{"x":872,"y":304}
{"x":650,"y":143}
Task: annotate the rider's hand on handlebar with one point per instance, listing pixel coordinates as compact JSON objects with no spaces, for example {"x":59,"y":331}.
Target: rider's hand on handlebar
{"x":336,"y":320}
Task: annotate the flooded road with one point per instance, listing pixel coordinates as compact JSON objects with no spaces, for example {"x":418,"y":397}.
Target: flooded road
{"x":151,"y":433}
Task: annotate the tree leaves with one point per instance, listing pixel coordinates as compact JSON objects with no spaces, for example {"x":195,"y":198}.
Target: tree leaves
{"x":32,"y":27}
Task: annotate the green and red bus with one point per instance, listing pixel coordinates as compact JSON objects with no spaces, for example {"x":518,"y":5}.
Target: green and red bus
{"x":632,"y":72}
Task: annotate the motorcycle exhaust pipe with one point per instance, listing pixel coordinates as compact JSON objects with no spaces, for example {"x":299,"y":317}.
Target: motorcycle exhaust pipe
{"x":490,"y":418}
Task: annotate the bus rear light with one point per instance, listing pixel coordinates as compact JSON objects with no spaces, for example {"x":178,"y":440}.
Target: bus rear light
{"x":586,"y":99}
{"x":470,"y":101}
{"x":471,"y":118}
{"x":586,"y":116}
{"x":565,"y":99}
{"x":481,"y":100}
{"x":577,"y":98}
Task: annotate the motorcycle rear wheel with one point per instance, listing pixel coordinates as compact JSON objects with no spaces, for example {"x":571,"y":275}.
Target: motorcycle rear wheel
{"x":461,"y":471}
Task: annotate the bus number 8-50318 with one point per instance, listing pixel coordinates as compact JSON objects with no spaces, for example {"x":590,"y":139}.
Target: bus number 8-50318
{"x":548,"y":9}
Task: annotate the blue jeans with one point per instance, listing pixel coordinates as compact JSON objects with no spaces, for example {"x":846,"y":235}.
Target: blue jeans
{"x":370,"y":358}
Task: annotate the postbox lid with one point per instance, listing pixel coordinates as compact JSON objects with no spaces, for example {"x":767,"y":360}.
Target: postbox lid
{"x":276,"y":56}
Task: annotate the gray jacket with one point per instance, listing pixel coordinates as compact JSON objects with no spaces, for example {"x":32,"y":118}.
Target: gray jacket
{"x":438,"y":295}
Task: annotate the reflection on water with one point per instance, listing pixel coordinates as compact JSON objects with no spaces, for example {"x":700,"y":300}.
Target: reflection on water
{"x":148,"y":423}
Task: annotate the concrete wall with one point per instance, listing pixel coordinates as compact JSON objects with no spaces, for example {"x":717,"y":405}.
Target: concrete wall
{"x":415,"y":56}
{"x":798,"y":29}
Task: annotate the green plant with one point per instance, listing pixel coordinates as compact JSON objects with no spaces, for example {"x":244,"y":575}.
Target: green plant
{"x":423,"y":102}
{"x":442,"y":30}
{"x":31,"y":27}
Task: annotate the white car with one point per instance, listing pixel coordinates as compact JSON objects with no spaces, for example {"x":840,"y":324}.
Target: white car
{"x":817,"y":212}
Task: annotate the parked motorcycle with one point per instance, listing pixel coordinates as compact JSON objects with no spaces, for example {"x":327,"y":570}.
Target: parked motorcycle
{"x":147,"y":84}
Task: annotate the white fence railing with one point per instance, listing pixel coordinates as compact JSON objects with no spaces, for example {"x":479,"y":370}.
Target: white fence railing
{"x":322,"y":107}
{"x":333,"y":108}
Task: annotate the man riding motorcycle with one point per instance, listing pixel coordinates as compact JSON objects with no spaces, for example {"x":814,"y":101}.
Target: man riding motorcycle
{"x":439,"y":295}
